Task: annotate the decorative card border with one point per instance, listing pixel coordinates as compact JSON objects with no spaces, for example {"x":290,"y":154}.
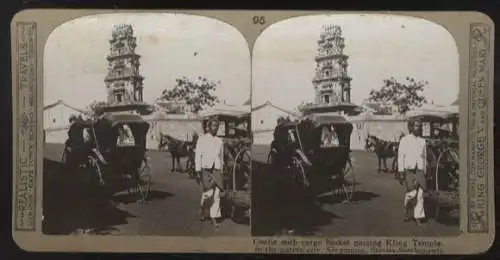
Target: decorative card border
{"x":27,"y":121}
{"x":479,"y":81}
{"x":30,"y":30}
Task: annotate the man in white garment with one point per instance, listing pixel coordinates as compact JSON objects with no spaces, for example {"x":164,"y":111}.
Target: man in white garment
{"x":412,"y":165}
{"x":209,"y":162}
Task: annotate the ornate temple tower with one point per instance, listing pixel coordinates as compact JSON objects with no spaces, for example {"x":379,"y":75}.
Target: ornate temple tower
{"x":331,"y":82}
{"x":123,"y":80}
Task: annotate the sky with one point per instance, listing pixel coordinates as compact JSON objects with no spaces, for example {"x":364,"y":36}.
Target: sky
{"x":378,"y":46}
{"x":75,"y":64}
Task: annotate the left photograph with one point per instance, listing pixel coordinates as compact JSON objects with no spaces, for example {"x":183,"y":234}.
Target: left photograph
{"x":146,"y":127}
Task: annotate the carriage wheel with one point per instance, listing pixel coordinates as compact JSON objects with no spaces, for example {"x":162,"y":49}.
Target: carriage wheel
{"x":63,"y":162}
{"x":348,"y":182}
{"x":95,"y":171}
{"x":242,"y":164}
{"x":270,"y":157}
{"x":142,"y":182}
{"x":298,"y":178}
{"x":438,"y":189}
{"x":63,"y":156}
{"x":432,"y":183}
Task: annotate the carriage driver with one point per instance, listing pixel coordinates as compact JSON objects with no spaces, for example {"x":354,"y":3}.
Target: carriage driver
{"x":75,"y":140}
{"x":411,"y":166}
{"x":209,"y":162}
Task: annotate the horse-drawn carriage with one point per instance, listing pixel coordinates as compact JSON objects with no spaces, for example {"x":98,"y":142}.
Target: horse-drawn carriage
{"x":440,"y":130}
{"x":115,"y":150}
{"x":234,"y":129}
{"x":315,"y":150}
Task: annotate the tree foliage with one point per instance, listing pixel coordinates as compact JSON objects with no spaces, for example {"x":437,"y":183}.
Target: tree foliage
{"x":404,"y":96}
{"x":197,"y":94}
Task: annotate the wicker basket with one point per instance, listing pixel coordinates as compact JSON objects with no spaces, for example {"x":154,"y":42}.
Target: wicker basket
{"x":241,"y":199}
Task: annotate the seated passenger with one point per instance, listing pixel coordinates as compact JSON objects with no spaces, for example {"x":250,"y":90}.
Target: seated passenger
{"x":125,"y":136}
{"x":329,"y":137}
{"x":75,"y":131}
{"x":74,"y":143}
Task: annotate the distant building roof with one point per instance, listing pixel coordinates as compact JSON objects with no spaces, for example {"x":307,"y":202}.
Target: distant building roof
{"x":60,"y":102}
{"x":226,"y":109}
{"x":267,"y":103}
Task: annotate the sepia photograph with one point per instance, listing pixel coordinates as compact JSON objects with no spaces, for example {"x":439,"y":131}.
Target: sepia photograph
{"x":355,"y":128}
{"x":146,"y":127}
{"x":243,"y":131}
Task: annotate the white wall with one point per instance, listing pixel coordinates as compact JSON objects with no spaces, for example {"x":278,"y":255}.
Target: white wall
{"x":57,"y":117}
{"x":383,"y":128}
{"x":178,"y":128}
{"x":57,"y":136}
{"x":263,"y":137}
{"x":56,"y":123}
{"x":266,"y":118}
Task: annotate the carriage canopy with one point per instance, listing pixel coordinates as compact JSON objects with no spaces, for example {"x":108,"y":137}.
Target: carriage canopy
{"x":433,"y":117}
{"x":438,"y":122}
{"x":327,"y":118}
{"x":120,"y":119}
{"x":229,"y":114}
{"x":345,"y":107}
{"x":227,"y":111}
{"x":316,"y":130}
{"x":434,"y":113}
{"x":234,"y":120}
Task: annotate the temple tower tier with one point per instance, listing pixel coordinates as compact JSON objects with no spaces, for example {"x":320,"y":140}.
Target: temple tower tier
{"x":331,"y":82}
{"x":123,"y":81}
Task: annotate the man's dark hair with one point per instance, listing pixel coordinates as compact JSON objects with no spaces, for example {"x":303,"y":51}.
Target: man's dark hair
{"x":212,"y":119}
{"x":410,"y":124}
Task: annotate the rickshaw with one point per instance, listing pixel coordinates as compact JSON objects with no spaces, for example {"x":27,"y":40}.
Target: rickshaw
{"x":107,"y":159}
{"x":440,"y":130}
{"x":314,"y":150}
{"x":234,"y":129}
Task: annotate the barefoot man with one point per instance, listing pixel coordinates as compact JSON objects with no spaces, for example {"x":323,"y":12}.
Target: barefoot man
{"x":209,"y":162}
{"x":412,"y":164}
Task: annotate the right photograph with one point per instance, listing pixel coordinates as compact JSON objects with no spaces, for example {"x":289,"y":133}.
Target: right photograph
{"x":355,"y":128}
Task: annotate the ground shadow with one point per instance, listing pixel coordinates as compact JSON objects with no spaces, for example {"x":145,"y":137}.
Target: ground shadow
{"x":69,"y":204}
{"x":444,"y":213}
{"x":449,"y":215}
{"x":277,"y":209}
{"x":125,"y":198}
{"x":357,"y":196}
{"x":241,"y":219}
